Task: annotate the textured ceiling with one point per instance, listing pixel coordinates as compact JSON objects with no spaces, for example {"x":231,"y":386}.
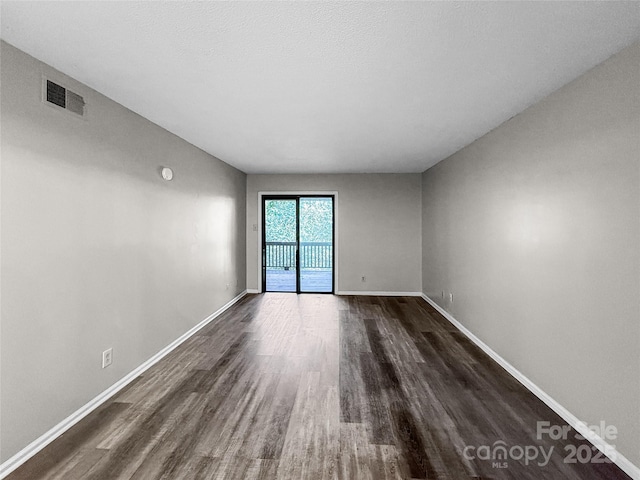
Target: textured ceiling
{"x":324,"y":87}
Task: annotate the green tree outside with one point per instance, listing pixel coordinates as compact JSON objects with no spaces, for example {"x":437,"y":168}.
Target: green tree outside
{"x":316,"y":220}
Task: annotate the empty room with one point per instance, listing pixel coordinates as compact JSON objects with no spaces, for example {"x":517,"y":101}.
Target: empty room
{"x":319,"y":240}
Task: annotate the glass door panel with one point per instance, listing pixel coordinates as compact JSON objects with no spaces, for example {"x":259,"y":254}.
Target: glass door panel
{"x":316,"y":244}
{"x":280,"y":245}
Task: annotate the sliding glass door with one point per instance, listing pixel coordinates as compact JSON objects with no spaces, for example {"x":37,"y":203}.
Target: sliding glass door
{"x":297,"y":244}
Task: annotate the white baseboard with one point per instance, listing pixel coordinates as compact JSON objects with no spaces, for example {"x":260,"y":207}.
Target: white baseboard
{"x":253,"y":290}
{"x":620,"y":460}
{"x":38,"y":444}
{"x":380,"y":294}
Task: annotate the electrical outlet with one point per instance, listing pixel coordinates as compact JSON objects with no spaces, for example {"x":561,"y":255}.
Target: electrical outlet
{"x":364,"y":279}
{"x":107,"y":358}
{"x":451,"y":297}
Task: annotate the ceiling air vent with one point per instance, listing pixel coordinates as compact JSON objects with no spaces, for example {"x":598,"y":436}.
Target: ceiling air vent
{"x":60,"y":96}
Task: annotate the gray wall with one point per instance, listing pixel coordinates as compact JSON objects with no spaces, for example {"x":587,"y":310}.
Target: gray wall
{"x":378,"y":218}
{"x":535,"y":229}
{"x":97,"y":250}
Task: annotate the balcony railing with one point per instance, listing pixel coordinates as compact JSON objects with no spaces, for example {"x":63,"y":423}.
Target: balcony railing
{"x":312,"y":255}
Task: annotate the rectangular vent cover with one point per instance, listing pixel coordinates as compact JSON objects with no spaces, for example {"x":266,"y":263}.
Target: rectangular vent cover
{"x":60,"y":96}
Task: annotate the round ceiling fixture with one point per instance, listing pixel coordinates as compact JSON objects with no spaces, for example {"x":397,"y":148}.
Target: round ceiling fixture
{"x":167,"y":173}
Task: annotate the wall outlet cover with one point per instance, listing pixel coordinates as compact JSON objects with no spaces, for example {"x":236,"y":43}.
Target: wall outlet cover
{"x":107,"y":358}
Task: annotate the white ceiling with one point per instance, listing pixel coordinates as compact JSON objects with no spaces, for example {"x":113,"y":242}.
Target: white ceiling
{"x":307,"y":87}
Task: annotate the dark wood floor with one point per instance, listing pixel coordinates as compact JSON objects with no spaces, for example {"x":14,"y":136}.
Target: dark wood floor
{"x":315,"y":387}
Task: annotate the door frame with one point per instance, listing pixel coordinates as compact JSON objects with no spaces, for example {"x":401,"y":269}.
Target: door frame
{"x":294,"y":194}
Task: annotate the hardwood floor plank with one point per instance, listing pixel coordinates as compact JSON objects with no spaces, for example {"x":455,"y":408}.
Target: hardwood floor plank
{"x":378,"y":417}
{"x":362,"y":460}
{"x":311,"y":444}
{"x":290,"y":387}
{"x":412,"y":445}
{"x":277,"y":416}
{"x":165,"y":458}
{"x":353,"y":342}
